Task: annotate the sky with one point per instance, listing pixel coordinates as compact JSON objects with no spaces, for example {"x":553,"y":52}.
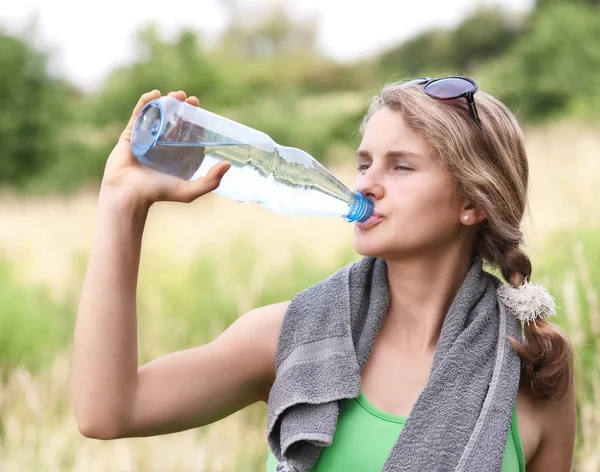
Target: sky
{"x":87,"y":39}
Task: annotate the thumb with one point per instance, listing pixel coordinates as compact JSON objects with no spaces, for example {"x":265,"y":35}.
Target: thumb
{"x":196,"y":188}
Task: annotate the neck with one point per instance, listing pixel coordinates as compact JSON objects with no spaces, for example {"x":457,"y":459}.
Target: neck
{"x":421,"y":292}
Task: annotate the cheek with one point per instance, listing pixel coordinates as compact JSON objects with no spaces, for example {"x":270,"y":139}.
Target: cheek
{"x":427,"y":194}
{"x":427,"y":205}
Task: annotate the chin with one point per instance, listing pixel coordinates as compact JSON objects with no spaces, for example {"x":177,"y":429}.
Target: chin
{"x":383,"y":248}
{"x":370,"y":248}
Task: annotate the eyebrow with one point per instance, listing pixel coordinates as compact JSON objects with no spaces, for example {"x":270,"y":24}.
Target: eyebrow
{"x":364,"y":154}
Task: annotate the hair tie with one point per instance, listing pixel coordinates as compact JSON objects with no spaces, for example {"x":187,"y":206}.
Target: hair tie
{"x":528,"y":301}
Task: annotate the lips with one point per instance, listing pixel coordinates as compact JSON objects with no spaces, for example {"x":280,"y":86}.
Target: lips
{"x":375,"y":219}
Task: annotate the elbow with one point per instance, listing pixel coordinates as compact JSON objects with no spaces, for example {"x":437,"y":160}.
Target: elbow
{"x":99,"y":420}
{"x":93,"y":428}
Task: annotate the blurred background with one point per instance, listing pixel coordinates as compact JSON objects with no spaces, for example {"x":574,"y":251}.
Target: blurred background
{"x":302,"y":72}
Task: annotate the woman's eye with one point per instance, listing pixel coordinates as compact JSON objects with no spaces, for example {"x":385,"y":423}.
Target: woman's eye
{"x":402,"y":168}
{"x":362,"y":167}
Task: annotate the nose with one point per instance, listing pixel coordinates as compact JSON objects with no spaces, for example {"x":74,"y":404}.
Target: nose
{"x":369,"y":184}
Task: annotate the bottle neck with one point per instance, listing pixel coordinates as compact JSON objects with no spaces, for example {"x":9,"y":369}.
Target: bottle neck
{"x":361,"y":208}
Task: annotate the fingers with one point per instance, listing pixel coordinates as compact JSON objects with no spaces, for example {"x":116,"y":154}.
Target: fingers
{"x":149,"y":96}
{"x":193,"y":101}
{"x":179,"y":95}
{"x":189,"y":191}
{"x":215,"y":174}
{"x":145,"y":98}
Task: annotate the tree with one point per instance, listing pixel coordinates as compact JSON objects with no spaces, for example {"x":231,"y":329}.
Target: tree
{"x":483,"y":35}
{"x":487,"y":33}
{"x":554,"y":67}
{"x":179,"y":64}
{"x":541,"y":4}
{"x":32,"y":110}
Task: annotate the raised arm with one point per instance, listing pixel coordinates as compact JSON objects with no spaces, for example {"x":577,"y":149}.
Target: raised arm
{"x":113,"y":396}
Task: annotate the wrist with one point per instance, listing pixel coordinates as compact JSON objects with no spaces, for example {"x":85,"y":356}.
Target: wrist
{"x":123,"y":201}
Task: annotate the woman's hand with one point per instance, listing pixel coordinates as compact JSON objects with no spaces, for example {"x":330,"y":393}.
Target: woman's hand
{"x":124,"y":174}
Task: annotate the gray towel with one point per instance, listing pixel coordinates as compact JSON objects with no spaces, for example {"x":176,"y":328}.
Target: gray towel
{"x":461,"y":419}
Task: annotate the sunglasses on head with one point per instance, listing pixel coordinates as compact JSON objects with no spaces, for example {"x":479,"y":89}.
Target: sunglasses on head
{"x":451,"y":88}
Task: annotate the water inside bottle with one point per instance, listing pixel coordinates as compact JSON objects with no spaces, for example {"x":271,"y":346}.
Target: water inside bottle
{"x":285,"y":180}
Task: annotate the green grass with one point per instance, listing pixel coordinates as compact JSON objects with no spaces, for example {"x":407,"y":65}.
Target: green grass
{"x":185,"y":307}
{"x":570,"y":269}
{"x":33,"y":328}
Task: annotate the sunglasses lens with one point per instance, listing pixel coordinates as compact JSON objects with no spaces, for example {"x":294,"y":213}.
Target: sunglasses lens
{"x":446,"y":89}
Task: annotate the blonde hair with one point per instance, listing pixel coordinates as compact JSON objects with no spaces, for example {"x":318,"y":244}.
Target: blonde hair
{"x":488,"y":167}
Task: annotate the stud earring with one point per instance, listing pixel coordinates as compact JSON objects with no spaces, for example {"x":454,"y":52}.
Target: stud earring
{"x":466,"y":218}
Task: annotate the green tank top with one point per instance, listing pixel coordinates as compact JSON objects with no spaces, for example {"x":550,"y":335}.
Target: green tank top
{"x":365,"y":435}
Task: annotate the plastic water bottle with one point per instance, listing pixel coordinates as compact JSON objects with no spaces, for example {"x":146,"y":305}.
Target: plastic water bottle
{"x":176,"y":138}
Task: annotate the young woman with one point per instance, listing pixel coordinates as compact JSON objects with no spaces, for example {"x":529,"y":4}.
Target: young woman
{"x":411,"y":359}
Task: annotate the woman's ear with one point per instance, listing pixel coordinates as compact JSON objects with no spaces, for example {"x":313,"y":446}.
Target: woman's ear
{"x":470,"y":215}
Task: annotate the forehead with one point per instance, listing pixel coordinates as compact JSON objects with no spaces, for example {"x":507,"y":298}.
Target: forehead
{"x":386,"y":130}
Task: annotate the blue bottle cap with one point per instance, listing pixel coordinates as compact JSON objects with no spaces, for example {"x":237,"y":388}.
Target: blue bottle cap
{"x":361,"y":209}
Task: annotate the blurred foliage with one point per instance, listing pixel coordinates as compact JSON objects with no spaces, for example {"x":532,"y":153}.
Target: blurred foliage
{"x":553,"y":70}
{"x":266,"y":71}
{"x":34,"y":327}
{"x":486,"y":34}
{"x":539,"y":4}
{"x":32,"y":110}
{"x":570,"y":269}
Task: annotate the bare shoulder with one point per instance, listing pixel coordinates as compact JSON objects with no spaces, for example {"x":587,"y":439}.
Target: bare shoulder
{"x":547,"y":430}
{"x":257,"y":331}
{"x":264,"y":321}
